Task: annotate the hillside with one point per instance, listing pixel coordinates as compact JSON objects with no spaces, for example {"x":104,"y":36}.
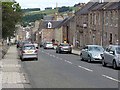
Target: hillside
{"x":48,"y":12}
{"x":32,"y":16}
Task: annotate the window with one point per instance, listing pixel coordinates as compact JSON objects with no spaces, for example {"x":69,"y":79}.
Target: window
{"x":49,"y":25}
{"x":110,"y":41}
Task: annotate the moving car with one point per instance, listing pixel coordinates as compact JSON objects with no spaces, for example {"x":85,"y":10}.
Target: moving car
{"x":28,"y":51}
{"x":64,"y":47}
{"x":112,"y":56}
{"x":92,"y":53}
{"x":48,"y":45}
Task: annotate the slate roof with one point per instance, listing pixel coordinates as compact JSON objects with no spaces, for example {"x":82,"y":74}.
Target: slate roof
{"x":65,"y":21}
{"x":86,"y":8}
{"x":114,"y":5}
{"x":54,"y":23}
{"x":99,"y":6}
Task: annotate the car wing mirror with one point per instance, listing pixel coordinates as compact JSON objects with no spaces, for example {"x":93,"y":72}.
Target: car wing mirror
{"x":36,"y":47}
{"x":86,"y":49}
{"x":112,"y":52}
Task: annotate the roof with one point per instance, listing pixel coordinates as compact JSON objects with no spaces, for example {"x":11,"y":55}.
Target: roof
{"x":93,"y":45}
{"x":114,"y":5}
{"x":86,"y":8}
{"x":28,"y":44}
{"x":65,"y":21}
{"x":53,"y":22}
{"x":99,"y":6}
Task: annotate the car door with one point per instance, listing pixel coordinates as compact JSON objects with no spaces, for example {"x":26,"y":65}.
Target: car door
{"x":85,"y":52}
{"x":111,"y":55}
{"x":106,"y":54}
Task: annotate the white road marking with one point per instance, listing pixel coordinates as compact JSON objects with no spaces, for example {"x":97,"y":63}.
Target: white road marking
{"x":69,"y":62}
{"x":57,"y":57}
{"x":65,"y":60}
{"x":50,"y":55}
{"x":54,"y":56}
{"x":85,"y":68}
{"x":110,"y":78}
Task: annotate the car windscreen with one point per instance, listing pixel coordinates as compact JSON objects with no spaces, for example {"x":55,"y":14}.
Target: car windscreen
{"x":118,"y":50}
{"x":49,"y":43}
{"x":64,"y":45}
{"x":96,"y":49}
{"x":29,"y":47}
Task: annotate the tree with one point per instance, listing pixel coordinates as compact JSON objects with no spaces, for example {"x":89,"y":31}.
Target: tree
{"x":11,"y":15}
{"x":63,"y":9}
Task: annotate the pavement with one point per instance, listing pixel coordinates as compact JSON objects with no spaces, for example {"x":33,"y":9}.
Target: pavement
{"x":76,"y":51}
{"x":12,"y":74}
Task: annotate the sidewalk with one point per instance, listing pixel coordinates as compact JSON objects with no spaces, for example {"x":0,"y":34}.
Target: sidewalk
{"x":13,"y":75}
{"x":75,"y":51}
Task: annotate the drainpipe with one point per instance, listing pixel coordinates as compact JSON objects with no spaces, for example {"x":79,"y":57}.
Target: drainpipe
{"x":102,"y":44}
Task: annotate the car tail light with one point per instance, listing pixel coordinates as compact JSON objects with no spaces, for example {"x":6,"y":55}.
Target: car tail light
{"x":23,"y":51}
{"x":61,"y":47}
{"x":36,"y":51}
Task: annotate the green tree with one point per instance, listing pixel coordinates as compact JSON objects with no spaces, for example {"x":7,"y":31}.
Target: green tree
{"x":11,"y":15}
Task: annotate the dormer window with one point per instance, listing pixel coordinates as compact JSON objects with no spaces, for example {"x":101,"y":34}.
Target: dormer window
{"x":49,"y":25}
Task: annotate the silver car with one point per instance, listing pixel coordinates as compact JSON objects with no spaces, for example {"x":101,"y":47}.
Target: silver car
{"x":28,"y":51}
{"x":92,"y":53}
{"x":112,"y":56}
{"x":64,"y":47}
{"x":48,"y":45}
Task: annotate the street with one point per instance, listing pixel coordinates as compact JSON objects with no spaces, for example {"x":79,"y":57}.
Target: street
{"x":68,"y":71}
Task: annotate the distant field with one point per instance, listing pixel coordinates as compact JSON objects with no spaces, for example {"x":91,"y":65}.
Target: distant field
{"x":47,"y":12}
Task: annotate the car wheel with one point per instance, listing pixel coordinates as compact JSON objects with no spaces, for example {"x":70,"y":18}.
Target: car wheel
{"x":22,"y":59}
{"x":70,"y":52}
{"x":81,"y":57}
{"x":36,"y":59}
{"x":56,"y":51}
{"x":103,"y":63}
{"x":89,"y":60}
{"x":114,"y":65}
{"x":59,"y":51}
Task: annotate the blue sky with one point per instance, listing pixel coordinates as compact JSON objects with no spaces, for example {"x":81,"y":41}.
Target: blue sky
{"x":48,"y":3}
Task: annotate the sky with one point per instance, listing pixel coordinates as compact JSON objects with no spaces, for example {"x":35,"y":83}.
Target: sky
{"x":47,"y":3}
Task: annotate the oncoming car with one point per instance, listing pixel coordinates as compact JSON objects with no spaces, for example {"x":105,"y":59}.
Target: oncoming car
{"x":48,"y":45}
{"x":92,"y":53}
{"x":28,"y":51}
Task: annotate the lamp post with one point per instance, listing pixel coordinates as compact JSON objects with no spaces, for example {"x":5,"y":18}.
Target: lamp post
{"x":102,"y":43}
{"x":84,"y":26}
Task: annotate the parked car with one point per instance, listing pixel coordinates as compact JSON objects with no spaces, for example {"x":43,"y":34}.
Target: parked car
{"x":48,"y":45}
{"x":64,"y":47}
{"x":112,"y":56}
{"x":28,"y":51}
{"x":19,"y":44}
{"x":36,"y":45}
{"x":92,"y":53}
{"x":55,"y":45}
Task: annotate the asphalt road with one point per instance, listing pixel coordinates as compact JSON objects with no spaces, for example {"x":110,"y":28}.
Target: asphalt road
{"x":68,"y":71}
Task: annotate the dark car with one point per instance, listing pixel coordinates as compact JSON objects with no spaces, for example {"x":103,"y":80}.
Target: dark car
{"x":64,"y":47}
